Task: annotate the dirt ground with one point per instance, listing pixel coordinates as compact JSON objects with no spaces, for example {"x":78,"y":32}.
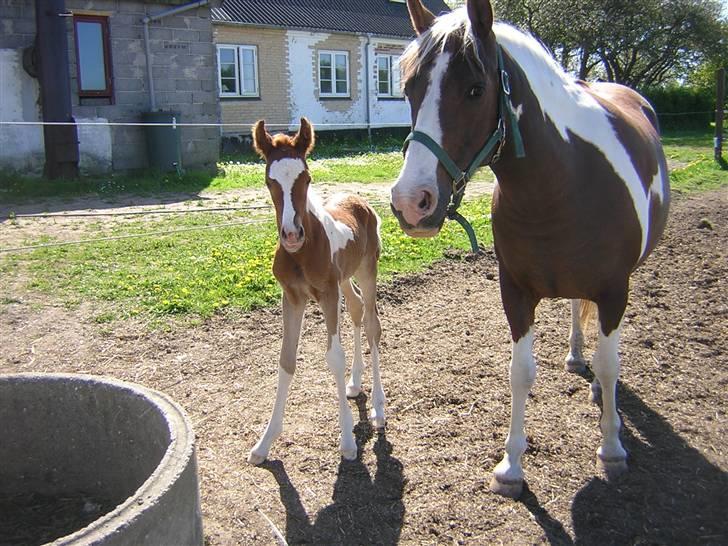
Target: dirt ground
{"x":445,"y":351}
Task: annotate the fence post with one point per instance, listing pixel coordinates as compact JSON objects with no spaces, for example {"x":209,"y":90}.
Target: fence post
{"x":719,"y":108}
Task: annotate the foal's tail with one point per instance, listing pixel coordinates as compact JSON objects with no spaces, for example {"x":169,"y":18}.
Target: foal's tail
{"x":588,"y":312}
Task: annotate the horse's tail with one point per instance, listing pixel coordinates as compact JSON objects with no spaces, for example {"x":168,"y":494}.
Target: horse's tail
{"x":588,"y":312}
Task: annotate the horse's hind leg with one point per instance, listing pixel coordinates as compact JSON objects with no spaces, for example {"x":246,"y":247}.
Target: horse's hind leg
{"x":355,"y":306}
{"x":575,"y":362}
{"x":292,"y":320}
{"x":611,"y":456}
{"x":367,"y":277}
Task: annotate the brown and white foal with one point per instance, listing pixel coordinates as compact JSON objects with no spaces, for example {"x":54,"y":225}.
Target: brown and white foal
{"x":320,"y":248}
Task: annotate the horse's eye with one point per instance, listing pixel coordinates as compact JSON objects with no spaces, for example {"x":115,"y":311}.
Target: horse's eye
{"x":476,"y":91}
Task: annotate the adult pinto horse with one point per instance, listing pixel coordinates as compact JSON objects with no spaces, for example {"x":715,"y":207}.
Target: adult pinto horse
{"x":320,"y":248}
{"x":581,"y":200}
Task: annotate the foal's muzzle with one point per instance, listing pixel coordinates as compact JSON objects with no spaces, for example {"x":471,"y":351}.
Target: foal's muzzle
{"x":292,"y":240}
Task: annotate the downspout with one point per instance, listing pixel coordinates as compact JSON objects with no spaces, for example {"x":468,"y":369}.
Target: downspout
{"x":145,"y":21}
{"x":366,"y":87}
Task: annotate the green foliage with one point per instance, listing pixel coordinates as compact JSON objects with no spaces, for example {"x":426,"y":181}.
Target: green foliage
{"x":682,"y":107}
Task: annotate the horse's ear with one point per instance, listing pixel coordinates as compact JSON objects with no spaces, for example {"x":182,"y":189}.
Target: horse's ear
{"x":480,"y":13}
{"x":304,"y":140}
{"x":421,"y":17}
{"x":262,"y":141}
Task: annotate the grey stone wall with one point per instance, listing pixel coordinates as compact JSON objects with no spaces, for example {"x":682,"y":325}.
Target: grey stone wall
{"x":183,"y":68}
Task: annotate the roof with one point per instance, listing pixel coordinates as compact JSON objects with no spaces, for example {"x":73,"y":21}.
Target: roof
{"x":379,"y":17}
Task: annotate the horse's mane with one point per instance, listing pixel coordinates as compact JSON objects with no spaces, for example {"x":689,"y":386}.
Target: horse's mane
{"x":456,"y":24}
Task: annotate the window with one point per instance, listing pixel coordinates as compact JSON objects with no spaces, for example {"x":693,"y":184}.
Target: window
{"x":333,"y":73}
{"x":237,"y":70}
{"x":93,"y":55}
{"x":388,"y":76}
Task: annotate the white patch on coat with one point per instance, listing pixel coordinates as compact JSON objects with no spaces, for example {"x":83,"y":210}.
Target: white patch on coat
{"x":285,"y":171}
{"x":420,"y":164}
{"x":338,"y":233}
{"x":571,"y":108}
{"x":656,"y":187}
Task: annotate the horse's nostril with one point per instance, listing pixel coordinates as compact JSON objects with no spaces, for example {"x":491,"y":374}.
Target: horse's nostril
{"x":300,"y":232}
{"x":426,"y":201}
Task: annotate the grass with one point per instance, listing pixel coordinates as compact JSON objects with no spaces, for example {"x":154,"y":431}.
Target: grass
{"x":203,"y":272}
{"x":200,"y":273}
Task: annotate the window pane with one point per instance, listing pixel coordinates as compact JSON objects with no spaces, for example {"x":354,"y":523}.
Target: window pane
{"x":91,"y":56}
{"x":227,"y":71}
{"x":326,"y":73}
{"x":341,"y":86}
{"x":227,"y":85}
{"x":341,"y":73}
{"x":227,"y":56}
{"x":383,"y":75}
{"x":248,"y":60}
{"x":326,"y":86}
{"x":396,"y":81}
{"x":325,"y":60}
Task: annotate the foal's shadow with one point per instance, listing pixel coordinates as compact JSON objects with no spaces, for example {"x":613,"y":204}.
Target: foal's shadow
{"x":364,"y":511}
{"x":671,"y":494}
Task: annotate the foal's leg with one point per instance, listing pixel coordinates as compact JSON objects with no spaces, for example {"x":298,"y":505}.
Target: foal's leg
{"x":367,"y":277}
{"x":292,"y":319}
{"x":355,"y":305}
{"x":508,"y":474}
{"x":611,"y":456}
{"x":330,"y":303}
{"x":575,"y":362}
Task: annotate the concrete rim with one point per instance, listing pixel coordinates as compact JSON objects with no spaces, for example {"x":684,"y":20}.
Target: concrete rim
{"x":176,"y":458}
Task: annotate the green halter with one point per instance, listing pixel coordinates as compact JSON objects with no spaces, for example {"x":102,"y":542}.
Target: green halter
{"x":491,"y":150}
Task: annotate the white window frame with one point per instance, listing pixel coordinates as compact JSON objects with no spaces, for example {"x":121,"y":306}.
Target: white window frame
{"x":239,"y":73}
{"x":333,"y":93}
{"x":395,"y":91}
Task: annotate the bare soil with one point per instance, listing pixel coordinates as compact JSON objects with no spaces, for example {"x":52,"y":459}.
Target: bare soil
{"x":445,"y":352}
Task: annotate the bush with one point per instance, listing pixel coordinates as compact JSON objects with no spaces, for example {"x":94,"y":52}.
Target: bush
{"x":682,"y":107}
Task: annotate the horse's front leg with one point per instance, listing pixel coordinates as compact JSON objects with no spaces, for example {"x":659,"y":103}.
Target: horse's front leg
{"x":292,"y":320}
{"x":508,"y":474}
{"x":330,"y":303}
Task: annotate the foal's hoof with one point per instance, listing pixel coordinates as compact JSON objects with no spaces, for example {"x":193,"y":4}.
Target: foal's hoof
{"x":573,"y":364}
{"x":506,"y":488}
{"x":612,"y":467}
{"x":378,"y":422}
{"x":256,"y":459}
{"x":352,"y":391}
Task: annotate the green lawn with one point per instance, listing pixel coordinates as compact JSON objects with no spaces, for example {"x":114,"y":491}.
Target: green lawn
{"x":199,"y":273}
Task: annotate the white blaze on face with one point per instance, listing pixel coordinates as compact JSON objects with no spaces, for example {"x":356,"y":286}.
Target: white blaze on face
{"x":420,"y":164}
{"x":285,"y":171}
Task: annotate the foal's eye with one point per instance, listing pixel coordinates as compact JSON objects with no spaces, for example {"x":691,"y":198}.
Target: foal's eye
{"x":476,"y":91}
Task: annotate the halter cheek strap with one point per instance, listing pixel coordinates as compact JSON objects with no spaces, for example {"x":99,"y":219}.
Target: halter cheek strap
{"x":491,"y":150}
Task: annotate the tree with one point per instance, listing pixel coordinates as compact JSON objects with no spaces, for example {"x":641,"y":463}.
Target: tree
{"x":640,"y":43}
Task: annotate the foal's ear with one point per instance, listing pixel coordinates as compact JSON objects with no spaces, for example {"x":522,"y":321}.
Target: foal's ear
{"x":421,"y":17}
{"x":480,"y":13}
{"x":303,"y":142}
{"x":262,"y":141}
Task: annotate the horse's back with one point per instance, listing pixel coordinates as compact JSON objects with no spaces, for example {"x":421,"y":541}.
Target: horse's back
{"x":360,"y":217}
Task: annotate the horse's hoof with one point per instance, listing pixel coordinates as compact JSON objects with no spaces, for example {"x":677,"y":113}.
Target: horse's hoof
{"x":349,"y":454}
{"x":612,"y":467}
{"x":511,"y":488}
{"x":378,"y":423}
{"x":352,"y":391}
{"x":574,"y":365}
{"x":255,"y":459}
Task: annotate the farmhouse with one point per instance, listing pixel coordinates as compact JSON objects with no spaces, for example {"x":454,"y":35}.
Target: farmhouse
{"x":106,"y":62}
{"x":335,"y":62}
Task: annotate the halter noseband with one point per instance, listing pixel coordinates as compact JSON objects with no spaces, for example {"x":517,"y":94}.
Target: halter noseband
{"x":491,"y":150}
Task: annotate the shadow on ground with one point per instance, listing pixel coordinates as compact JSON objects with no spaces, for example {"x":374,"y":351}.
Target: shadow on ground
{"x":364,"y":510}
{"x":671,"y":494}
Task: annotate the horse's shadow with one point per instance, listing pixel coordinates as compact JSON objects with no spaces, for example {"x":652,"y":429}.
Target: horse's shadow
{"x":364,"y":510}
{"x":671,"y":494}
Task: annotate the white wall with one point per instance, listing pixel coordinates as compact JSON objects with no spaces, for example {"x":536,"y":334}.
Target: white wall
{"x":21,"y":146}
{"x":384,"y":113}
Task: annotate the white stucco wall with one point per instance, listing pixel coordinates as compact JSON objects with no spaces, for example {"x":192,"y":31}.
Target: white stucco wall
{"x":21,"y":146}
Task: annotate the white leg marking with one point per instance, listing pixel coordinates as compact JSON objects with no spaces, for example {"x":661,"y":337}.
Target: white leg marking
{"x":575,"y":358}
{"x":275,"y":426}
{"x":605,"y":362}
{"x":336,"y":360}
{"x":508,"y":474}
{"x":378,"y":399}
{"x":357,"y":367}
